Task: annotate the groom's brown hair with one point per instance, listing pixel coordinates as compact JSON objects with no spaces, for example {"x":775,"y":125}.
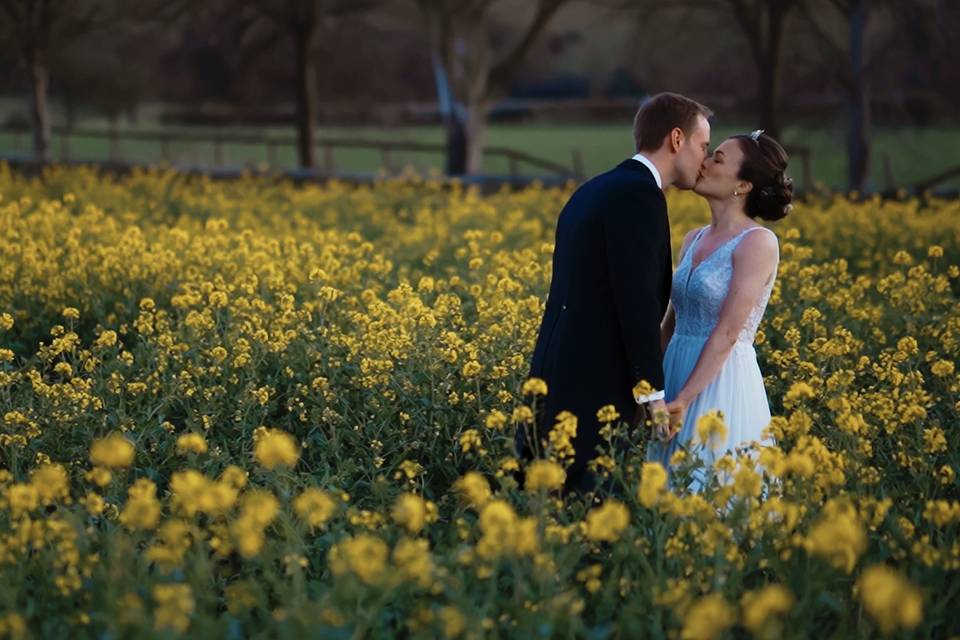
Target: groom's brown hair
{"x":661,"y":114}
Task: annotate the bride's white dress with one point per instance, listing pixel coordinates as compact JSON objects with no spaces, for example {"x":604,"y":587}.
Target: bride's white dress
{"x":697,"y":296}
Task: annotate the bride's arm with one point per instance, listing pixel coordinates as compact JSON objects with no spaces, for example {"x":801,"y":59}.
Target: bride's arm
{"x":753,"y":264}
{"x":669,"y":322}
{"x":666,"y":327}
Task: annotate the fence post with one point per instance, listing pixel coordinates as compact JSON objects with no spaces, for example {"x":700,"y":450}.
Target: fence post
{"x":64,"y":145}
{"x":114,"y":144}
{"x":271,"y":154}
{"x":386,"y":159}
{"x":888,"y":173}
{"x":577,"y":164}
{"x":514,"y":165}
{"x":328,"y":164}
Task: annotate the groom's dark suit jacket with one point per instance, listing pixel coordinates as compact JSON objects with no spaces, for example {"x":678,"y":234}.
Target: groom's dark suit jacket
{"x":600,"y":333}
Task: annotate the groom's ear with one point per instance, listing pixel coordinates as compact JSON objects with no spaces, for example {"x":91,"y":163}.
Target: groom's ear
{"x":676,"y":139}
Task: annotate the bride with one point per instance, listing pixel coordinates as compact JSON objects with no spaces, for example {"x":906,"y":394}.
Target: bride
{"x":720,"y":290}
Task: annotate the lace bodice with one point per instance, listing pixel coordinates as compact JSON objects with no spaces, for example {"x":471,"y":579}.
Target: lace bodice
{"x":698,"y":292}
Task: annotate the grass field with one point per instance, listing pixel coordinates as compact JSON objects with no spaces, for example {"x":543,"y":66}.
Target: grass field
{"x":914,"y":154}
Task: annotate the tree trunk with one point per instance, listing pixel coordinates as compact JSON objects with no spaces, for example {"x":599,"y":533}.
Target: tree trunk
{"x":476,"y":134}
{"x":769,"y":71}
{"x":39,"y":115}
{"x":477,"y":94}
{"x":306,"y":97}
{"x":858,"y":138}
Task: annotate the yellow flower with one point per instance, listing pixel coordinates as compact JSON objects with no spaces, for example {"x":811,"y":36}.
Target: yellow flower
{"x":496,"y":420}
{"x":607,"y":522}
{"x":174,"y":606}
{"x":471,"y":440}
{"x":534,"y":386}
{"x":51,"y":482}
{"x":653,"y":482}
{"x":797,"y":392}
{"x":99,"y":476}
{"x":93,"y":503}
{"x":890,"y":599}
{"x":643,"y":388}
{"x":191,"y":443}
{"x":935,"y":251}
{"x":544,"y":475}
{"x":364,"y":556}
{"x":192,"y":493}
{"x":761,"y":606}
{"x":471,"y":369}
{"x":142,"y":511}
{"x":473,"y":488}
{"x":6,"y":322}
{"x":413,"y":561}
{"x":276,"y":448}
{"x":234,"y":476}
{"x":711,"y":429}
{"x":452,"y":621}
{"x":410,"y":512}
{"x":942,"y":368}
{"x":113,"y":451}
{"x":838,"y":536}
{"x":942,"y":512}
{"x":608,"y":413}
{"x":22,"y":498}
{"x":314,"y":506}
{"x":934,"y":440}
{"x":707,"y":618}
{"x":498,"y":524}
{"x":71,"y":313}
{"x":747,"y":482}
{"x":106,"y":339}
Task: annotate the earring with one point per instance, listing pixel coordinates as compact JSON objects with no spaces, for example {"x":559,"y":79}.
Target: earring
{"x":735,"y":192}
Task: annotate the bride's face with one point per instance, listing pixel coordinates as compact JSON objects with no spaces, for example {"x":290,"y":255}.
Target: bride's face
{"x":718,"y":174}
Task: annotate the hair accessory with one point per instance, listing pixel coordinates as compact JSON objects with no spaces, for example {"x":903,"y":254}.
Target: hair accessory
{"x":755,"y":135}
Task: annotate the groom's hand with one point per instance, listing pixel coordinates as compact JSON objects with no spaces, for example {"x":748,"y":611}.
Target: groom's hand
{"x":661,"y":419}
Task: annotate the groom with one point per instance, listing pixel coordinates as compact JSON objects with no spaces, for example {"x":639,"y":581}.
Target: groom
{"x":612,"y":269}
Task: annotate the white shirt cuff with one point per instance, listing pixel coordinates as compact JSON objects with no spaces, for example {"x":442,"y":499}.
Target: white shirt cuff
{"x":656,"y":395}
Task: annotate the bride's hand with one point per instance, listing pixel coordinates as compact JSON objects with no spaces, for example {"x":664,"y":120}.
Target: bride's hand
{"x":677,"y":410}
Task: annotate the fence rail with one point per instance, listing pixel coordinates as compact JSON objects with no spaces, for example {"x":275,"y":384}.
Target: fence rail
{"x":516,"y":159}
{"x":326,"y":145}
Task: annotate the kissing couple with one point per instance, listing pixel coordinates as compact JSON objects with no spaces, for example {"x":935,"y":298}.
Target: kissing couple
{"x":622,"y":327}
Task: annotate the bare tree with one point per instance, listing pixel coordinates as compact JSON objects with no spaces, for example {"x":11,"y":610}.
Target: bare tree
{"x":461,"y":33}
{"x":263,"y":23}
{"x":38,"y":28}
{"x":35,"y":27}
{"x":862,"y":60}
{"x":762,"y":24}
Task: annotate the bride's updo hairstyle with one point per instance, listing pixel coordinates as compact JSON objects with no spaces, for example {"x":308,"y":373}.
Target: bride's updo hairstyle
{"x":764,"y":166}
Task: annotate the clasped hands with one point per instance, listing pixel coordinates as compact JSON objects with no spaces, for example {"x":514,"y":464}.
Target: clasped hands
{"x":667,"y":417}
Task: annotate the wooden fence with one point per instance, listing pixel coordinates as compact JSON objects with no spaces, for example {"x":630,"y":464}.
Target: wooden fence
{"x":516,"y":160}
{"x":327,"y":146}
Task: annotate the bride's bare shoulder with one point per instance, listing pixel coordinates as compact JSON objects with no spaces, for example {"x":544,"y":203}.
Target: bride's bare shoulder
{"x":760,"y":245}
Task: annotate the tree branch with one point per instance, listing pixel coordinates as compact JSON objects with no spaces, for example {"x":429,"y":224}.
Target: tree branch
{"x":501,"y":72}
